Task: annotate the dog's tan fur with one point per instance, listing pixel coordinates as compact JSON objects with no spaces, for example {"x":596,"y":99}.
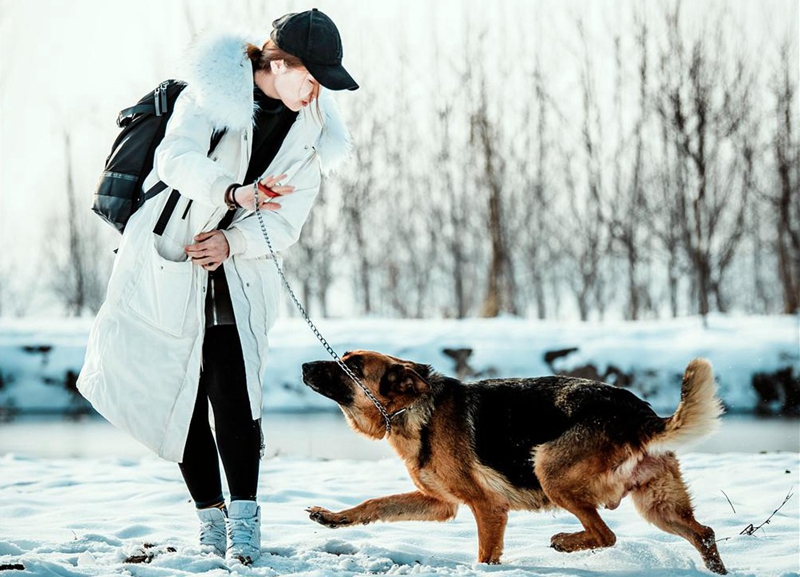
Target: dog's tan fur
{"x":577,"y":472}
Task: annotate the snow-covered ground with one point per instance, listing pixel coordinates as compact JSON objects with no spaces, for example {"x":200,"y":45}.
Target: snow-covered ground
{"x":72,"y":517}
{"x":87,"y":515}
{"x":38,"y":356}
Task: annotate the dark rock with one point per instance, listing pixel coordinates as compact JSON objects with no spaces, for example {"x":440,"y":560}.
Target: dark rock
{"x":461,"y":357}
{"x":551,"y":356}
{"x":613,"y":375}
{"x":37,"y":350}
{"x":778,"y":392}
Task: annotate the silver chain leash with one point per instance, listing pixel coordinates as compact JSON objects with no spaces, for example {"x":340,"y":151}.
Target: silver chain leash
{"x":386,"y":417}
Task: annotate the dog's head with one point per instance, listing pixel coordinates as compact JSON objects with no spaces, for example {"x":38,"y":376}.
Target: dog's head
{"x":396,"y":383}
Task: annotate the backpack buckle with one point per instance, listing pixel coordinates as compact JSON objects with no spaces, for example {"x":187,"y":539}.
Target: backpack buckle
{"x":160,"y":99}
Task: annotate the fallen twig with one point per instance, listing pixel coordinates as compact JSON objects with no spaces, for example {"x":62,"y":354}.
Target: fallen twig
{"x":729,"y":501}
{"x":750,"y":529}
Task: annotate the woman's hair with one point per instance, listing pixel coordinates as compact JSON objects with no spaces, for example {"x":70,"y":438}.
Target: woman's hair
{"x":262,"y":57}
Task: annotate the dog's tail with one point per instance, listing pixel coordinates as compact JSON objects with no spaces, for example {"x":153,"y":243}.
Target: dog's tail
{"x":698,"y":412}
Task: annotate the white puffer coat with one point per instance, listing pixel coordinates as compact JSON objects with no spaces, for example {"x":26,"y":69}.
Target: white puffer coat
{"x":143,"y":357}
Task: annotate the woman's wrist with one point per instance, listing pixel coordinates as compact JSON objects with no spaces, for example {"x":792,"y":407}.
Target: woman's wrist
{"x":230,"y":197}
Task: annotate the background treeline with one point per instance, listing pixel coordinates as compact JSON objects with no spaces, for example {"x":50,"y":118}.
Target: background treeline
{"x":579,"y":160}
{"x":664,"y":181}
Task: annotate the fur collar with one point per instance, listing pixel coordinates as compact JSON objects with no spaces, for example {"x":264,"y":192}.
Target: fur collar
{"x":334,"y":144}
{"x":220,"y":80}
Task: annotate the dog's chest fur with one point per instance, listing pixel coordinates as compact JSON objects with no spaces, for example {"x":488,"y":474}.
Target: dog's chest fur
{"x":438,"y":455}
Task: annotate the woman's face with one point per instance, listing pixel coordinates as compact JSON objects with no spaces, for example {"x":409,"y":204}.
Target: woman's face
{"x":295,"y":86}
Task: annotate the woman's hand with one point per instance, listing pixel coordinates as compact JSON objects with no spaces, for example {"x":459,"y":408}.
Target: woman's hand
{"x":210,"y":251}
{"x":246,"y":198}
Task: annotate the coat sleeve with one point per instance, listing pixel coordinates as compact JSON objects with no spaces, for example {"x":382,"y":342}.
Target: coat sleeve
{"x":182,"y":156}
{"x":245,"y":237}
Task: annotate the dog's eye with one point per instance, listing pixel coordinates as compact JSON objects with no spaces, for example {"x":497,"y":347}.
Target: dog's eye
{"x":355,"y":365}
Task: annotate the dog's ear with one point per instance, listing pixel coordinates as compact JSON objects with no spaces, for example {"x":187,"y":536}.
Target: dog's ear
{"x":413,"y":382}
{"x":424,"y":371}
{"x":400,"y":379}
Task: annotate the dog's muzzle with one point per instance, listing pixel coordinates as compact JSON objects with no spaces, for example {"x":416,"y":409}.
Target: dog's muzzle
{"x":326,"y":378}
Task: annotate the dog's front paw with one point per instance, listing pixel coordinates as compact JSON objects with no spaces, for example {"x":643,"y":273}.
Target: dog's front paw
{"x":326,"y":517}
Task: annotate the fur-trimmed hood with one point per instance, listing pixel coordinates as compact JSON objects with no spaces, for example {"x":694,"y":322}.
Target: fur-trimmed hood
{"x":220,"y":79}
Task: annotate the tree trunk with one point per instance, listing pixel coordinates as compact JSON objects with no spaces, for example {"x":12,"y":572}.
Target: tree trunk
{"x":788,"y":244}
{"x":76,"y":302}
{"x":499,"y":286}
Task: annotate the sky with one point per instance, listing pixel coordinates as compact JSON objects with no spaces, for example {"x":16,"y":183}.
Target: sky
{"x":70,"y":66}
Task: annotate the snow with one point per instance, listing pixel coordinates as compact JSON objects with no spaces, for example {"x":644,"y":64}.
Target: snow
{"x":655,"y":351}
{"x":86,"y":514}
{"x":74,"y":517}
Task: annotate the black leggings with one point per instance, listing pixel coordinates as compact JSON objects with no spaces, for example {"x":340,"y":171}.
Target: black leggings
{"x":238,"y":436}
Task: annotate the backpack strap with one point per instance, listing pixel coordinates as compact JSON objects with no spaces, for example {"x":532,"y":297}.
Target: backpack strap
{"x":215,"y":138}
{"x":226,"y":220}
{"x":169,"y":208}
{"x":153,"y":190}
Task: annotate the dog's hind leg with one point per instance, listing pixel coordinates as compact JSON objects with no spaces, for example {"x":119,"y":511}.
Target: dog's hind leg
{"x":414,"y":506}
{"x":595,"y":535}
{"x":664,"y":501}
{"x":565,"y":480}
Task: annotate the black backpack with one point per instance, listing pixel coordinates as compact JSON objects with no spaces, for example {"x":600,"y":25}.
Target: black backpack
{"x":119,"y":190}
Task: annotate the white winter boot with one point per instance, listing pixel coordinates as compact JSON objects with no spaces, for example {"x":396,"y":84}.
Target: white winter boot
{"x":212,"y":530}
{"x":244,"y":532}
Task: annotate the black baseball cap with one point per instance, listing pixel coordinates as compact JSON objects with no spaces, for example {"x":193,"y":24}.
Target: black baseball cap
{"x":314,"y":39}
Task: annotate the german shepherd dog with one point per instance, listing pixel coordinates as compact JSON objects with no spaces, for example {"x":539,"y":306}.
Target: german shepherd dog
{"x":523,"y":444}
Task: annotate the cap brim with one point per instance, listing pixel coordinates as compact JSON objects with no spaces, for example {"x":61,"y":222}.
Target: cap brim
{"x":332,"y":77}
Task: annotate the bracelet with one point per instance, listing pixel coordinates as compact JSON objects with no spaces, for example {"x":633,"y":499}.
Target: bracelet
{"x":230,"y":197}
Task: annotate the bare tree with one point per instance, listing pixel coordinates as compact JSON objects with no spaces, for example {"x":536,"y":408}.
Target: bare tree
{"x":460,"y":234}
{"x":587,"y":240}
{"x":313,"y":255}
{"x":411,"y":249}
{"x":668,"y":211}
{"x":707,"y":115}
{"x":537,"y":204}
{"x":359,"y":197}
{"x":79,"y":269}
{"x":16,"y":292}
{"x":451,"y":214}
{"x":456,"y":236}
{"x":500,"y":295}
{"x":787,"y":162}
{"x":629,"y":203}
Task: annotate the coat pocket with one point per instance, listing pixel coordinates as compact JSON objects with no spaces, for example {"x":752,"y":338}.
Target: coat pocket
{"x":162,"y":292}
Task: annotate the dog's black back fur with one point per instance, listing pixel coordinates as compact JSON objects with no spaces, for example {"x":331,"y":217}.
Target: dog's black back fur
{"x":509,"y":417}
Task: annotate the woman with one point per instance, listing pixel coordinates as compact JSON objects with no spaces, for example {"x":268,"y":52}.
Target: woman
{"x":187,"y":312}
